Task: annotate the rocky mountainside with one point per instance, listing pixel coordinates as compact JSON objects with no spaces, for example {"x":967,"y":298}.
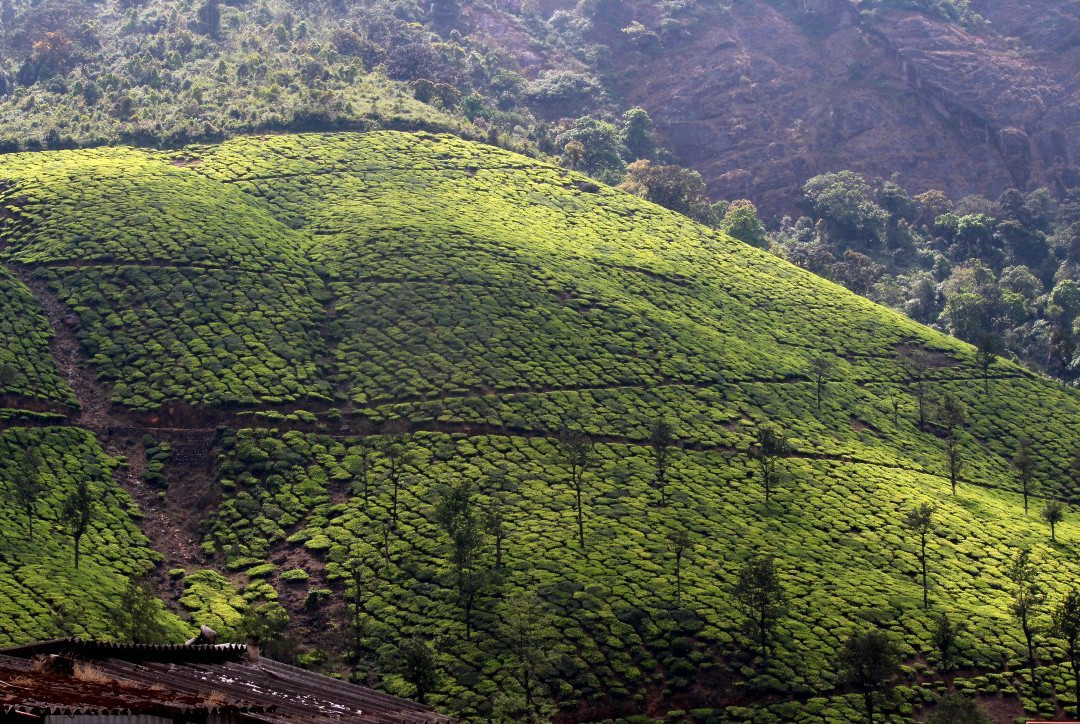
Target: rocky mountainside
{"x":965,"y":96}
{"x":771,"y":92}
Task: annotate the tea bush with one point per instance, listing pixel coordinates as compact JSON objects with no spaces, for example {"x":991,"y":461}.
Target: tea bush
{"x":27,"y":369}
{"x":42,"y":594}
{"x":338,"y":286}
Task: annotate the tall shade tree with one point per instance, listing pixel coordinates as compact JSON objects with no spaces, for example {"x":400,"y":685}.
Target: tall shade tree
{"x":894,"y":403}
{"x":28,"y":487}
{"x":457,"y":513}
{"x":944,"y":637}
{"x":759,"y":597}
{"x":1024,"y":464}
{"x":78,"y":511}
{"x":951,"y":415}
{"x":526,"y":631}
{"x":576,"y":453}
{"x":137,"y":616}
{"x":661,"y":440}
{"x":920,"y":520}
{"x":740,"y":220}
{"x":868,"y":663}
{"x":1053,"y":513}
{"x":359,"y":466}
{"x":986,"y":351}
{"x":398,"y":456}
{"x":637,"y":133}
{"x":364,"y":581}
{"x":821,"y":368}
{"x":679,"y":541}
{"x":495,"y":519}
{"x":772,"y":445}
{"x":417,"y":665}
{"x":1065,"y":625}
{"x":916,"y":365}
{"x":1028,"y":598}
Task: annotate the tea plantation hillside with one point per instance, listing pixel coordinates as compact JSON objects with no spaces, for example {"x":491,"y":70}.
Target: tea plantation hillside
{"x":309,"y":347}
{"x":42,"y":595}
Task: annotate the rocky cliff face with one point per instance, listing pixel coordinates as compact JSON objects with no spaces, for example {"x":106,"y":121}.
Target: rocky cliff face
{"x":774,"y":91}
{"x":781,"y":93}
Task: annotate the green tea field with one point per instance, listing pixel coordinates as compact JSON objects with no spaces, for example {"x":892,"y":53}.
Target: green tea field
{"x":282,"y":361}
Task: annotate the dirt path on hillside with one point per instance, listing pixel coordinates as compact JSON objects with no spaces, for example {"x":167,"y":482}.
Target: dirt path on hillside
{"x":96,"y":413}
{"x":65,"y":349}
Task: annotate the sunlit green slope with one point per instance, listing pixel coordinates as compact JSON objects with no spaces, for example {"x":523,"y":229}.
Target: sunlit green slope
{"x":312,"y":288}
{"x":42,"y":594}
{"x":27,"y":372}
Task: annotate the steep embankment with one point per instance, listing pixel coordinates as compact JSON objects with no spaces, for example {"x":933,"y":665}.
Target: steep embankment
{"x":281,"y":309}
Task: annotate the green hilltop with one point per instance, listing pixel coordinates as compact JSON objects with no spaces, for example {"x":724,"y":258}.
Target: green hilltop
{"x":269,"y":327}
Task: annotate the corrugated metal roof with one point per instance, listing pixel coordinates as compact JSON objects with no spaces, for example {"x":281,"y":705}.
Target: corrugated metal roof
{"x":91,"y":650}
{"x":29,"y":690}
{"x":206,"y":676}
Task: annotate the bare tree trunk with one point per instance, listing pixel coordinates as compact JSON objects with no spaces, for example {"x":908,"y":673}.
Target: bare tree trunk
{"x":678,"y":578}
{"x":1031,"y":651}
{"x":925,"y":603}
{"x":580,"y":523}
{"x":763,"y":631}
{"x":1076,"y":679}
{"x":468,"y":617}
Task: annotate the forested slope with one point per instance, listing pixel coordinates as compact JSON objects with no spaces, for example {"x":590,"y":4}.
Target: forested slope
{"x":305,"y":344}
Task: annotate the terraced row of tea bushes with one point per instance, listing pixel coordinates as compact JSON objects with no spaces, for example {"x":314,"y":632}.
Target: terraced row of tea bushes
{"x":855,"y":421}
{"x":255,"y":157}
{"x":452,"y":267}
{"x":577,"y":257}
{"x":836,"y":528}
{"x":119,"y":205}
{"x":406,"y":340}
{"x":210,"y":337}
{"x":441,"y":273}
{"x":1008,"y":692}
{"x":27,"y":369}
{"x":42,"y":595}
{"x":527,"y":217}
{"x":22,"y":416}
{"x":905,"y":701}
{"x":213,"y":600}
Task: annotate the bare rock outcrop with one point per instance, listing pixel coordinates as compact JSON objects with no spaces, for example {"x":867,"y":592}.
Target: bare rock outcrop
{"x":772,"y":92}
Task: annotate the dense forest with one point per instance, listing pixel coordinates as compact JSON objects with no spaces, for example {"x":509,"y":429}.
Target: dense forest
{"x":1001,"y":273}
